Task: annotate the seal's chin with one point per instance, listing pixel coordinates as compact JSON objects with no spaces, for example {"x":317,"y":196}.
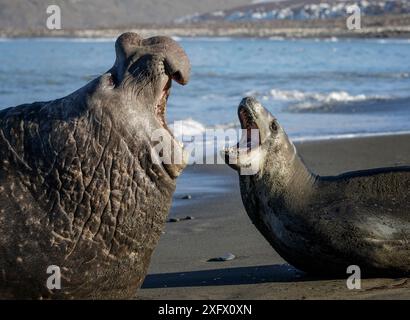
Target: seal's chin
{"x":247,"y":151}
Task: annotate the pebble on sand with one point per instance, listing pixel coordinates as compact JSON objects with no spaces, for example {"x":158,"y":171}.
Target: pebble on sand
{"x":180,"y":219}
{"x":225,"y":257}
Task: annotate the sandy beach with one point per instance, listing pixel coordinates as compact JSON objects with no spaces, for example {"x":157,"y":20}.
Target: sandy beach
{"x":385,"y":26}
{"x":180,"y":267}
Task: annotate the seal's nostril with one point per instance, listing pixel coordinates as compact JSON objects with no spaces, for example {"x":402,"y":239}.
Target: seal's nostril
{"x":177,"y":67}
{"x":174,"y":74}
{"x":177,"y":76}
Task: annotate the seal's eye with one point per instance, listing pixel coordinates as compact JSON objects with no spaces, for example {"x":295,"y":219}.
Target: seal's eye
{"x":274,"y":126}
{"x":107,"y":80}
{"x":111,"y":81}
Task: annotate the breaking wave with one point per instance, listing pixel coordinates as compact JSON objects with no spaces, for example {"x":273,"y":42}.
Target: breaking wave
{"x":300,"y":101}
{"x":187,"y":128}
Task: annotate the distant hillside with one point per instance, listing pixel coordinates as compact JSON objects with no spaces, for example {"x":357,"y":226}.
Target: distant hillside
{"x":231,"y":18}
{"x":299,"y":10}
{"x":83,"y":14}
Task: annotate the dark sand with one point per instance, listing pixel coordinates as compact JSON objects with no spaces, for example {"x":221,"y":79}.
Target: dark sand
{"x":180,"y":269}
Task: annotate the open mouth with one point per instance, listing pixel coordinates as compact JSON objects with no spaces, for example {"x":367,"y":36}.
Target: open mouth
{"x":161,"y":107}
{"x":244,"y":157}
{"x":250,"y":138}
{"x":174,"y":158}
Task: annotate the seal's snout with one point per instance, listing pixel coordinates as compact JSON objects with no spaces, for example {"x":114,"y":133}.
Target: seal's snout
{"x":178,"y":74}
{"x":177,"y":64}
{"x":255,"y":121}
{"x":250,"y":113}
{"x":248,"y":102}
{"x":143,"y":71}
{"x":245,"y":155}
{"x":253,"y":105}
{"x":130,"y":47}
{"x":176,"y":61}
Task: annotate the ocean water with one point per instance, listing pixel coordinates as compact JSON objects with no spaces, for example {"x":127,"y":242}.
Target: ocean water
{"x":316,"y":88}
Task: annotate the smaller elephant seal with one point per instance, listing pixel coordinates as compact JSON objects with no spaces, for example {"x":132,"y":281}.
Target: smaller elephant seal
{"x":322,"y":225}
{"x":83,"y":193}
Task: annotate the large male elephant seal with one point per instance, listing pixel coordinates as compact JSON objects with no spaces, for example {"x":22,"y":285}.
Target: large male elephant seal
{"x":320,"y":224}
{"x":79,"y":188}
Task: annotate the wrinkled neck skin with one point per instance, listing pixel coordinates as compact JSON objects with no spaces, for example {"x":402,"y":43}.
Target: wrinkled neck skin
{"x":276,"y":195}
{"x":282,"y":172}
{"x":275,"y":200}
{"x":117,"y":114}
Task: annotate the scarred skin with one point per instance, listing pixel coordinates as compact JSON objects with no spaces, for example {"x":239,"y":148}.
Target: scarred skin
{"x":78,"y":185}
{"x":319,"y":224}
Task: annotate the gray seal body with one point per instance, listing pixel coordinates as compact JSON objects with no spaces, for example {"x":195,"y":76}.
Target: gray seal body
{"x":79,"y":189}
{"x":320,"y":224}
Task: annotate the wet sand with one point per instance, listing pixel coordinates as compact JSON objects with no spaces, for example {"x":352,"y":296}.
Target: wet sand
{"x":180,"y":268}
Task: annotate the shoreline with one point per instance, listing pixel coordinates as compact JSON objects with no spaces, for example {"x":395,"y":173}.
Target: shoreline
{"x":231,"y":32}
{"x":348,"y":136}
{"x":101,"y":38}
{"x":180,"y":267}
{"x":386,"y":26}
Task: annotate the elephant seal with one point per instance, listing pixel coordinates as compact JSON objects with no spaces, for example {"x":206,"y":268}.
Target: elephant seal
{"x":322,"y":224}
{"x":80,"y":194}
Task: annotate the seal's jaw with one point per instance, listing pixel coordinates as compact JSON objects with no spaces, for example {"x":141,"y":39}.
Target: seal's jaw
{"x":178,"y":156}
{"x":175,"y":158}
{"x":160,"y":108}
{"x":257,"y":130}
{"x":250,"y":138}
{"x":143,"y":72}
{"x":246,"y":154}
